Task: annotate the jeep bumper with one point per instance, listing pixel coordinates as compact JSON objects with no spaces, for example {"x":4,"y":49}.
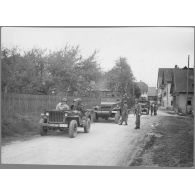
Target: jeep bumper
{"x":53,"y":125}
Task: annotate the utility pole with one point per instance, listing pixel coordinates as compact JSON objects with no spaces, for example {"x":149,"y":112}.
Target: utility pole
{"x":187,"y":84}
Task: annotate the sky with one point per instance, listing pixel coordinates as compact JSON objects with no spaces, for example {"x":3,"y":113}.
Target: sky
{"x":146,"y":48}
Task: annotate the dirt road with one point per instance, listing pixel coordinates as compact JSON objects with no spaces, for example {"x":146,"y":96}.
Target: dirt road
{"x":107,"y":144}
{"x":157,"y":143}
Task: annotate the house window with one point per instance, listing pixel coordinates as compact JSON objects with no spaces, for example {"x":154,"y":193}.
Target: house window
{"x":189,"y":103}
{"x":172,"y":103}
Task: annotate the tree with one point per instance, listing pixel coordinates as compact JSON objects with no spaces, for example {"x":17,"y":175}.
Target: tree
{"x":88,"y":72}
{"x":38,"y":71}
{"x":120,"y":77}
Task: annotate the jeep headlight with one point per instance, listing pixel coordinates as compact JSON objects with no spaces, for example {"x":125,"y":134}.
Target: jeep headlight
{"x":66,"y":114}
{"x":47,"y":114}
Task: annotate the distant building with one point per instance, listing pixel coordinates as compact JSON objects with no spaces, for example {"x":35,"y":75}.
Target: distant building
{"x":152,"y":94}
{"x":164,"y":82}
{"x":182,"y":101}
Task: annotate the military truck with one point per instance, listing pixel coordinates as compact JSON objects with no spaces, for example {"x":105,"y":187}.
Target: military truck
{"x":145,"y":106}
{"x":108,"y":109}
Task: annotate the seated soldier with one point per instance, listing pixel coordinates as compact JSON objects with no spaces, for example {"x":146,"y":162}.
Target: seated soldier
{"x":77,"y":105}
{"x":62,"y":105}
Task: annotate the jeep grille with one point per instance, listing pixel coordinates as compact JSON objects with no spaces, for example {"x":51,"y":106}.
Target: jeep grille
{"x":56,"y":117}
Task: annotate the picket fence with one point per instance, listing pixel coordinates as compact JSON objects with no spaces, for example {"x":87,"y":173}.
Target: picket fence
{"x":35,"y":104}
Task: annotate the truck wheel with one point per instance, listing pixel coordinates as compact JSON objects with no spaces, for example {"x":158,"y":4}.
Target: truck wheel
{"x":73,"y":129}
{"x":43,"y":131}
{"x":116,"y":118}
{"x":87,"y":125}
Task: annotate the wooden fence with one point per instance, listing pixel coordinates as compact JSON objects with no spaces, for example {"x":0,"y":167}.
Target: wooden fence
{"x":35,"y":104}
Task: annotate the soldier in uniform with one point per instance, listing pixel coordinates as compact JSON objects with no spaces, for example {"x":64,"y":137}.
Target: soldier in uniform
{"x":155,"y":109}
{"x":62,"y":105}
{"x":152,"y":108}
{"x":124,"y":113}
{"x":77,"y":105}
{"x":137,"y":114}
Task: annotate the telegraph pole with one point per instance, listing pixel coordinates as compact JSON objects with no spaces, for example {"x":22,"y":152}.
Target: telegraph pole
{"x":133,"y":92}
{"x":187,"y":84}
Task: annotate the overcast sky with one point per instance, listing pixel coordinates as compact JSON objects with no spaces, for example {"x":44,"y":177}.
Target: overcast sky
{"x":146,"y":49}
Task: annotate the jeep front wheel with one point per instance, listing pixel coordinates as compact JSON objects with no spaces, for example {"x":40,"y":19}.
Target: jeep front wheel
{"x":73,"y":129}
{"x":87,"y":125}
{"x":43,"y":131}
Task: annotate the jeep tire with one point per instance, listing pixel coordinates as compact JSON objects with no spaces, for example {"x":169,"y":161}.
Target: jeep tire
{"x":43,"y":130}
{"x":87,"y":125}
{"x":73,"y":128}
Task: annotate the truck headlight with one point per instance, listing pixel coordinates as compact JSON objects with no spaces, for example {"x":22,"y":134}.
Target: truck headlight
{"x":66,"y":114}
{"x":47,"y":114}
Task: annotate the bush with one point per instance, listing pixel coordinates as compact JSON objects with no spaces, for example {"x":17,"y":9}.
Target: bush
{"x":17,"y":125}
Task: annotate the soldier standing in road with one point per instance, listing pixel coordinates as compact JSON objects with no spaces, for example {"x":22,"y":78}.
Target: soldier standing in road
{"x":152,"y":108}
{"x":137,"y":114}
{"x":155,"y":109}
{"x":124,"y":113}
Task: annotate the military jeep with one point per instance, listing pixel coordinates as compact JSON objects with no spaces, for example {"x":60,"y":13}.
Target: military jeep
{"x":65,"y":120}
{"x":107,"y":110}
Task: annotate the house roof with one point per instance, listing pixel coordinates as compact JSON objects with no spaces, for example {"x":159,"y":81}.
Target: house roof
{"x":164,"y":75}
{"x":143,"y":87}
{"x":180,"y":80}
{"x":152,"y":91}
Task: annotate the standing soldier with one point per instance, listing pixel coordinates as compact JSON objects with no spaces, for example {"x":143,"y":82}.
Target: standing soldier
{"x":155,"y":109}
{"x":152,"y":108}
{"x":124,"y":113}
{"x":137,"y":114}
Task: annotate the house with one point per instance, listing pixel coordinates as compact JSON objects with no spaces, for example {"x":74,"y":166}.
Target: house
{"x":164,"y":82}
{"x":143,"y":88}
{"x":183,"y":100}
{"x":152,"y":94}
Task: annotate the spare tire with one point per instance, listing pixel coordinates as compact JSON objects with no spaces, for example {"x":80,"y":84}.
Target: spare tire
{"x":43,"y":131}
{"x":116,"y":118}
{"x":73,"y":128}
{"x":87,"y":125}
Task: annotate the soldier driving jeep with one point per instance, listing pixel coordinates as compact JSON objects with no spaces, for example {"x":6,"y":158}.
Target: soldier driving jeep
{"x":63,"y":105}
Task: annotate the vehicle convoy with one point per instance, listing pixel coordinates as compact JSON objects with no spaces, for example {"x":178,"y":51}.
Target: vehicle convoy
{"x":65,"y":120}
{"x":107,"y":110}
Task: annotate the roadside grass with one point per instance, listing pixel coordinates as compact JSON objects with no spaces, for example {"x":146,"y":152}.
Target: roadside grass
{"x":19,"y":126}
{"x":169,"y":144}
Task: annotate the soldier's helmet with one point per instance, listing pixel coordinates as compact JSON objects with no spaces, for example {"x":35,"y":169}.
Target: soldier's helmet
{"x":64,"y":100}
